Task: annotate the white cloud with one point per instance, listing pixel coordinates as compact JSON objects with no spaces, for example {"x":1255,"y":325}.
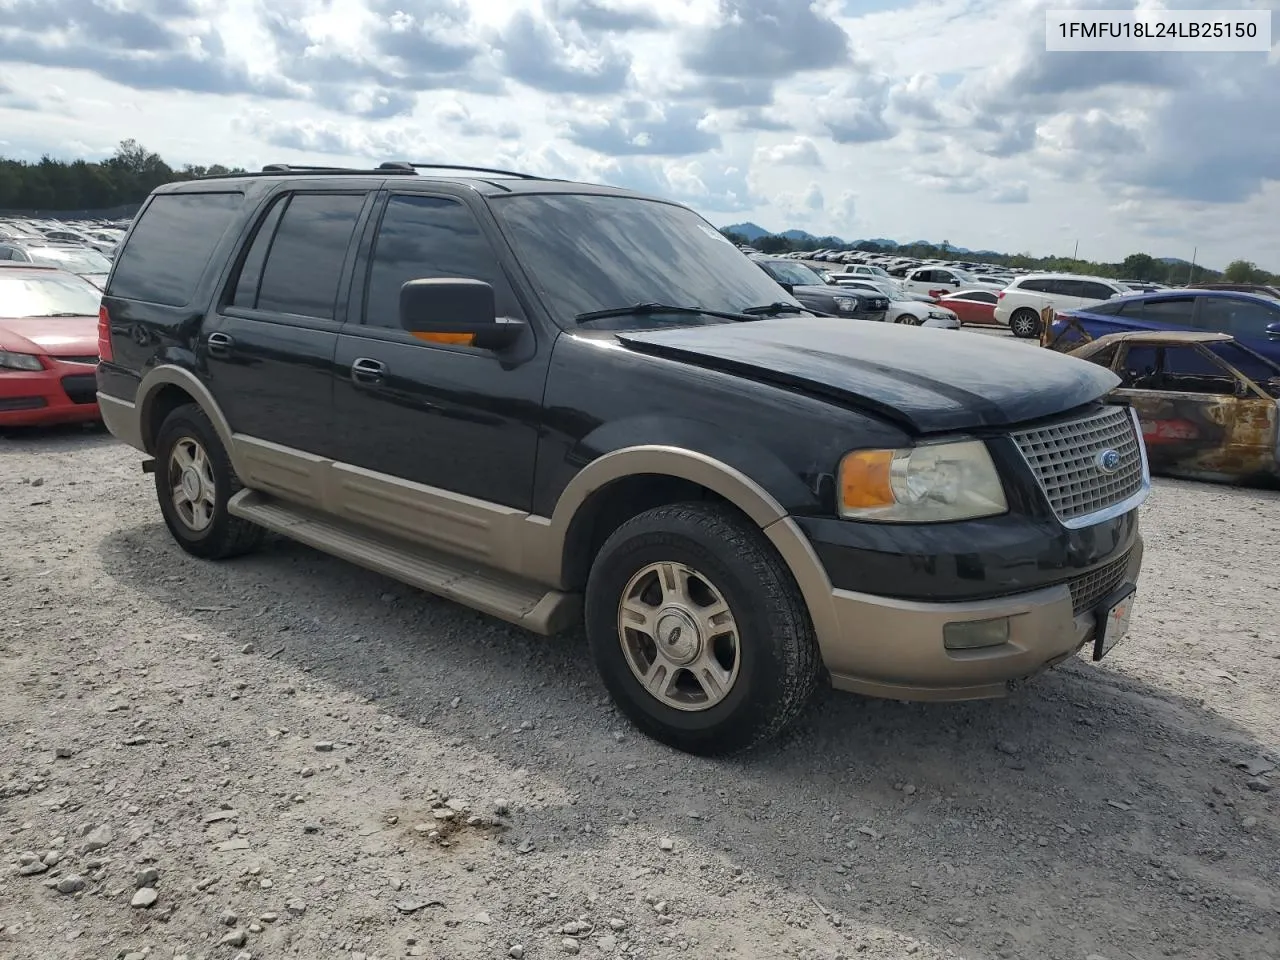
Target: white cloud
{"x":935,"y":119}
{"x":800,"y":152}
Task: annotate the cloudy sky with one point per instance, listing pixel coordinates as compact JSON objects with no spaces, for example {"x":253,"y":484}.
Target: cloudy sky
{"x":942,"y":119}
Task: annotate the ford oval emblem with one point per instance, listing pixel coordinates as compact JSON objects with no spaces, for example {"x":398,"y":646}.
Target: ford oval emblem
{"x":1109,"y":461}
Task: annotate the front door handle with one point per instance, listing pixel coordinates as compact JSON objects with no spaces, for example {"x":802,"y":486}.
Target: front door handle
{"x":365,"y":370}
{"x":219,"y":345}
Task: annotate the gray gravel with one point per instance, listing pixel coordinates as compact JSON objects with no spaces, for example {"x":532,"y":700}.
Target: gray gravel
{"x":287,"y":756}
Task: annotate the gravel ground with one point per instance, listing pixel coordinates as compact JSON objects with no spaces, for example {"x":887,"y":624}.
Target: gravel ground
{"x":286,"y":756}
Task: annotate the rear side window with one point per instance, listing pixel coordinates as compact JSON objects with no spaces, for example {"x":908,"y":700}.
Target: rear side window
{"x":170,"y":246}
{"x":304,"y":263}
{"x":1035,"y":286}
{"x":1172,"y":313}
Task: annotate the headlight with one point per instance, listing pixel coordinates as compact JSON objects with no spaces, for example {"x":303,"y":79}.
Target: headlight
{"x":926,"y":484}
{"x":939,"y":315}
{"x":846,"y":305}
{"x":19,"y":361}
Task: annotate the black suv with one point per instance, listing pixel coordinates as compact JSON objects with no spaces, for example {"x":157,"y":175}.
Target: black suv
{"x":807,"y":285}
{"x":553,"y":401}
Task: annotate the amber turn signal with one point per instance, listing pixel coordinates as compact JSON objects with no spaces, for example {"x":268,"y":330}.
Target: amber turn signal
{"x":864,"y":479}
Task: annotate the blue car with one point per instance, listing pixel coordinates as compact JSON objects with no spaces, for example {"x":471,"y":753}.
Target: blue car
{"x":1254,"y":320}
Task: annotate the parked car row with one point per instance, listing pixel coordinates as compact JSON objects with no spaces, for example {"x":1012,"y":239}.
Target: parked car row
{"x":85,"y":248}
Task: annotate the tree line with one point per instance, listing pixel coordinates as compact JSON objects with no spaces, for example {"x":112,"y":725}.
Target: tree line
{"x":1136,"y":266}
{"x":126,"y":177}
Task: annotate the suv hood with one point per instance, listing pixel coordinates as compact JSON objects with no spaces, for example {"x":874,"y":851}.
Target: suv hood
{"x":927,"y":382}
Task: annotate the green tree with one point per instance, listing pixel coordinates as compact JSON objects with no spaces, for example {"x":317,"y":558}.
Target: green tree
{"x":1242,"y":271}
{"x":1142,"y":266}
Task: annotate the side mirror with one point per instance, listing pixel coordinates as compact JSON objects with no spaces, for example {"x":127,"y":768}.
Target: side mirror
{"x":1273,"y":331}
{"x":789,"y":287}
{"x":455,"y":311}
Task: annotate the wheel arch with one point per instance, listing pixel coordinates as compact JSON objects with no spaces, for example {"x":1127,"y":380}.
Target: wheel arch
{"x":669,"y":474}
{"x":167,"y":387}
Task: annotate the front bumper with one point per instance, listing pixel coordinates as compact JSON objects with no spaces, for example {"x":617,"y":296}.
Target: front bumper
{"x":894,"y":648}
{"x":60,"y":393}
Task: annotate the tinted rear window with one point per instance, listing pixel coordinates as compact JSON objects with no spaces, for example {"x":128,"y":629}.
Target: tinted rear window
{"x":171,"y":245}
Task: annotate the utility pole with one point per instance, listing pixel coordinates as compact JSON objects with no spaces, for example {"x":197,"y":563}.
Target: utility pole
{"x":1076,"y":251}
{"x":1192,"y":272}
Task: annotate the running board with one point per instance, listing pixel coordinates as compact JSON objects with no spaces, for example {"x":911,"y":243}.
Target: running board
{"x":489,"y":591}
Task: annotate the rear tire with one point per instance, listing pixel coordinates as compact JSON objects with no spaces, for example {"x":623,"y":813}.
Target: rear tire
{"x":1025,"y":323}
{"x":194,"y":481}
{"x":698,"y":629}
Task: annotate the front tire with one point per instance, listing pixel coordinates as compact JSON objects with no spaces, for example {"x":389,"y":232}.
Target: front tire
{"x":1025,"y":323}
{"x":194,"y":481}
{"x":698,"y":630}
{"x":910,"y":319}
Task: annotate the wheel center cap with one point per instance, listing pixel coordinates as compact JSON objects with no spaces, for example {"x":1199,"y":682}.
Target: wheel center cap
{"x":678,"y":636}
{"x":191,"y":483}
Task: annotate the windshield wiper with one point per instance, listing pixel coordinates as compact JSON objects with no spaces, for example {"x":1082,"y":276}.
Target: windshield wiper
{"x":644,"y":309}
{"x":773,"y":309}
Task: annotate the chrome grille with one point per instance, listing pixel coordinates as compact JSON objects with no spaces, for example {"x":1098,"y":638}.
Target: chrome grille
{"x":90,"y":360}
{"x":1065,"y":460}
{"x":1091,"y":589}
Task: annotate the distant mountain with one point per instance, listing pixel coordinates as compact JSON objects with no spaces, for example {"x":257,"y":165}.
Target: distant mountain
{"x":752,"y":231}
{"x":1173,"y":260}
{"x":806,"y":235}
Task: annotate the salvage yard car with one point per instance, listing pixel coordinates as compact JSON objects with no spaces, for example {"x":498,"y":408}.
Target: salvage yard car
{"x":1209,"y":406}
{"x":561,"y":403}
{"x":48,"y":346}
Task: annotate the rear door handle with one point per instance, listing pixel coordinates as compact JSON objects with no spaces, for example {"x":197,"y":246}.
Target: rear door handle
{"x":219,"y":344}
{"x":365,"y":370}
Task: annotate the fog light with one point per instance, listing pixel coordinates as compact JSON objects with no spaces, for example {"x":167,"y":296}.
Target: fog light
{"x":973,"y":634}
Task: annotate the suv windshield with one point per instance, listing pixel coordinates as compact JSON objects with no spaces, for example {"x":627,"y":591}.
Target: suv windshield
{"x":587,"y":252}
{"x":72,"y":259}
{"x":34,"y":295}
{"x":796,"y":274}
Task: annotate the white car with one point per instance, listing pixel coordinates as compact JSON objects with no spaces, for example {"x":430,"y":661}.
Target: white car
{"x":927,"y":280}
{"x":1022,"y":301}
{"x":862,"y":270}
{"x":915,"y":313}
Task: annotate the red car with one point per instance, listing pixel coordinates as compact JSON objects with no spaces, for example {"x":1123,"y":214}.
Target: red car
{"x":48,"y":346}
{"x":973,"y":306}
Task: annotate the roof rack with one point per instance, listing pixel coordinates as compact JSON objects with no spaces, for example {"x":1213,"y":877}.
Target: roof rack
{"x":401,"y":165}
{"x":311,"y":168}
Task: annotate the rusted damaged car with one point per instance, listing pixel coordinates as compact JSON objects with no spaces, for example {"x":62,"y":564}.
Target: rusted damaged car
{"x":1209,"y":406}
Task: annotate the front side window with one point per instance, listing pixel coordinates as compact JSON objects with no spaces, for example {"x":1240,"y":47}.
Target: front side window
{"x":1243,"y":318}
{"x":303,"y":266}
{"x":429,"y":238}
{"x":588,"y":252}
{"x":1092,"y":290}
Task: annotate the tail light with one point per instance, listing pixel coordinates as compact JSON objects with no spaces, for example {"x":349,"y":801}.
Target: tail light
{"x":104,"y":335}
{"x":1000,"y":295}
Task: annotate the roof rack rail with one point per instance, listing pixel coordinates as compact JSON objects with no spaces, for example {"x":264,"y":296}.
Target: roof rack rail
{"x":311,"y":168}
{"x":461,"y":166}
